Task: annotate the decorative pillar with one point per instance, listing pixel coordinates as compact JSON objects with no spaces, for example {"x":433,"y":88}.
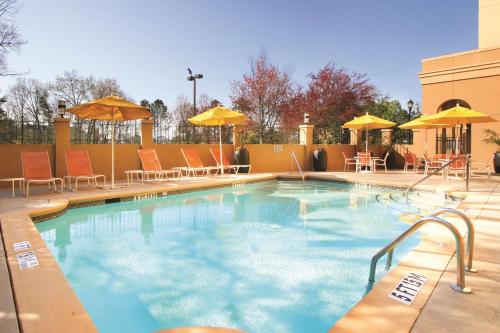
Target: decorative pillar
{"x":237,"y":130}
{"x":147,"y":133}
{"x":306,"y":139}
{"x":62,"y":143}
{"x":386,"y":136}
{"x":356,"y":137}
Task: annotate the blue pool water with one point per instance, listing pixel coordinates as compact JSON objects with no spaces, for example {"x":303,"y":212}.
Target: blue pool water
{"x":271,"y":257}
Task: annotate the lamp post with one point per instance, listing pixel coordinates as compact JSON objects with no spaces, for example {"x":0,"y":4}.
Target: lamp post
{"x":410,"y":106}
{"x":61,"y":108}
{"x":306,"y":118}
{"x":193,"y":78}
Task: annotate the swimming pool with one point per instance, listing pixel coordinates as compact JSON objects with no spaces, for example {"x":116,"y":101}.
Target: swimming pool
{"x":281,"y":256}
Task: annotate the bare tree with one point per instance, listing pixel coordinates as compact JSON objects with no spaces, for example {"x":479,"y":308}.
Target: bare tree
{"x":264,"y":94}
{"x":106,"y":87}
{"x":75,"y":89}
{"x":28,"y":102}
{"x":183,"y":110}
{"x":10,"y":38}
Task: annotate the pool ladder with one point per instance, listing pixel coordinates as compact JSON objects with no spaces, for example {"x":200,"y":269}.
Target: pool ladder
{"x":459,"y":246}
{"x":293,"y":157}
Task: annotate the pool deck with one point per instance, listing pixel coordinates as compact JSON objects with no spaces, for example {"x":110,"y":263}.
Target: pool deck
{"x":40,"y":299}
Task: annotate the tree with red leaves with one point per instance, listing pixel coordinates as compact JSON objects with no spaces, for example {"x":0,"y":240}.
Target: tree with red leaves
{"x":335,"y":95}
{"x":264,"y":94}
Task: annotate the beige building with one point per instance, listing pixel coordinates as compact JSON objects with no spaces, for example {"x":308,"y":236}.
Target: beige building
{"x":470,"y":78}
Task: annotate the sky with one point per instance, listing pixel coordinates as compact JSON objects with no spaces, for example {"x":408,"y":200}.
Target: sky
{"x":148,"y":45}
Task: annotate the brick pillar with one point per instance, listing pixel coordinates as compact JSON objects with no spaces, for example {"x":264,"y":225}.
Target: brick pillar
{"x":386,"y":137}
{"x":147,"y":133}
{"x":306,"y":139}
{"x":237,"y":130}
{"x":62,"y":143}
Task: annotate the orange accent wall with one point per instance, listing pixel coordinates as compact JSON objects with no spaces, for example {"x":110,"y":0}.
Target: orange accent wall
{"x":10,"y":155}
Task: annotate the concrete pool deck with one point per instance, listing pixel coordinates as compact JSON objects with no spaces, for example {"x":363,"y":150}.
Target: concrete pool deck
{"x":43,"y":301}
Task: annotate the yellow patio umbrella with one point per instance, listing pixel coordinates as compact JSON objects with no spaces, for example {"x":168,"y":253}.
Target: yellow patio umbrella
{"x":111,"y":108}
{"x":219,"y":116}
{"x":459,"y":115}
{"x":368,"y":122}
{"x":420,"y":124}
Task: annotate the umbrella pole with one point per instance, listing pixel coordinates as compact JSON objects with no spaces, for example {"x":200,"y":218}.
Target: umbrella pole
{"x":426,"y":142}
{"x":220,"y":151}
{"x":366,"y":139}
{"x":112,"y":154}
{"x":457,"y":150}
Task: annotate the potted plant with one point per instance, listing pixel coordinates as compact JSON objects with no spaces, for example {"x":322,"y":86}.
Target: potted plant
{"x":493,"y":137}
{"x":320,"y":157}
{"x":241,"y":155}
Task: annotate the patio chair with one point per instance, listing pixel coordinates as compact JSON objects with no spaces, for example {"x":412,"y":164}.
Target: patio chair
{"x":36,"y":170}
{"x":348,"y":161}
{"x":79,"y":167}
{"x":194,"y":163}
{"x":431,"y":164}
{"x":215,"y":151}
{"x":458,"y":164}
{"x":411,"y":160}
{"x":380,"y":162}
{"x":151,"y":166}
{"x":364,"y":160}
{"x":483,"y":167}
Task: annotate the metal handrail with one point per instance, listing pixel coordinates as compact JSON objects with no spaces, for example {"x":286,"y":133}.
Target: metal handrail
{"x":470,"y":238}
{"x":459,"y":246}
{"x":294,"y":157}
{"x":436,"y":171}
{"x":470,"y":234}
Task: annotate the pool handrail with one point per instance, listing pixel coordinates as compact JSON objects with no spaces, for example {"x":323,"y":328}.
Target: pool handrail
{"x":470,"y":238}
{"x":294,"y":157}
{"x":470,"y":234}
{"x":459,"y":246}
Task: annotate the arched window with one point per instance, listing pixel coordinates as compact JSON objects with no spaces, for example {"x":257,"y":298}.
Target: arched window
{"x":451,"y":103}
{"x":446,"y":139}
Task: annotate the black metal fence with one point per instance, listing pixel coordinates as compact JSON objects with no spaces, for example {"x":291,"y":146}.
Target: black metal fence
{"x":449,"y":144}
{"x":331,"y":135}
{"x":99,"y":132}
{"x":191,"y":134}
{"x":26,"y":132}
{"x":374,"y":136}
{"x":402,"y":136}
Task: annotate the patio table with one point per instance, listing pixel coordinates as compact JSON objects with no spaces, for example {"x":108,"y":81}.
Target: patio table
{"x":13,"y":181}
{"x":130,"y":176}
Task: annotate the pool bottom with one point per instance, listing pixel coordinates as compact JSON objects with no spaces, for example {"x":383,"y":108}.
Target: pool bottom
{"x":289,"y":256}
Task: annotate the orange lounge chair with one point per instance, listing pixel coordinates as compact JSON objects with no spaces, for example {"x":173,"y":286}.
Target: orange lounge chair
{"x":151,"y":166}
{"x":79,"y":167}
{"x":36,"y":170}
{"x":225,"y":162}
{"x":194,"y":163}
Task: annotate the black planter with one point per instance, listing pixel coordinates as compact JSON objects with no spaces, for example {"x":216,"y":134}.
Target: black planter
{"x":242,"y":157}
{"x":320,"y":160}
{"x":391,"y":159}
{"x":496,"y":162}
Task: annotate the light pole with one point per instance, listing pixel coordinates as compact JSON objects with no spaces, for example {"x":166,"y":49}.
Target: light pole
{"x":410,"y":106}
{"x":193,"y":78}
